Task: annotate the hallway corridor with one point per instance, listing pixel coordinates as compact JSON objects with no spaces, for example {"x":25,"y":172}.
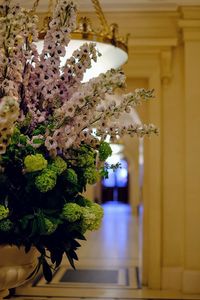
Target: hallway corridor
{"x":107,"y":268}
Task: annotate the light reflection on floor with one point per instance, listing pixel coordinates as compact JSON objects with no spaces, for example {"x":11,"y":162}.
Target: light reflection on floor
{"x":117,"y":238}
{"x":117,"y":230}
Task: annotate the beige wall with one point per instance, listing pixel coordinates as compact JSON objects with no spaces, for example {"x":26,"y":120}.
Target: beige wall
{"x":165,"y":50}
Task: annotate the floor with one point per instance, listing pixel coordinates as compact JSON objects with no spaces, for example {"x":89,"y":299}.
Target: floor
{"x":108,"y":267}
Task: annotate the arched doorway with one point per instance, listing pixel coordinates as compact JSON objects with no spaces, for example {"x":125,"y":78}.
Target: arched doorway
{"x":116,"y":186}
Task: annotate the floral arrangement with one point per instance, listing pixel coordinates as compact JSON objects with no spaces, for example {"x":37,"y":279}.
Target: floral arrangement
{"x":53,"y":131}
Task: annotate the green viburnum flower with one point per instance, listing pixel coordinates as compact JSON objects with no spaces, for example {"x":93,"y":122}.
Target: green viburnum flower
{"x":46,"y":181}
{"x":72,"y":212}
{"x":35,"y":162}
{"x":92,"y":217}
{"x":104,"y":151}
{"x":86,"y":159}
{"x":71,"y":176}
{"x":59,"y":165}
{"x":6,"y":225}
{"x":4,"y":212}
{"x":50,"y":226}
{"x":91,"y":175}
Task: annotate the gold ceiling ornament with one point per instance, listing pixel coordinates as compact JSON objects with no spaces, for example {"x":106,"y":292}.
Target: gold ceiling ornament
{"x":108,"y":34}
{"x":112,"y":46}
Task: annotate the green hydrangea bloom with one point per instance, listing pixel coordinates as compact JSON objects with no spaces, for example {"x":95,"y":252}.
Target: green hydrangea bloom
{"x":92,"y":217}
{"x":86,"y":160}
{"x":71,"y":176}
{"x":91,"y":175}
{"x":4,"y":212}
{"x":72,"y":212}
{"x":6,"y":225}
{"x":35,"y":162}
{"x":88,"y":219}
{"x":104,"y":151}
{"x":59,"y":165}
{"x":50,"y":226}
{"x":46,"y":181}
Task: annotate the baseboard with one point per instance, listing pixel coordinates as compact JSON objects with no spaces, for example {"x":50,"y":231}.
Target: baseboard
{"x":191,"y":282}
{"x":177,"y":279}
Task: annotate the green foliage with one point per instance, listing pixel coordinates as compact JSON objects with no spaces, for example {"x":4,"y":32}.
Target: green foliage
{"x":104,"y":171}
{"x":86,"y":157}
{"x":71,"y":176}
{"x":104,"y":151}
{"x":91,"y":175}
{"x":39,"y":130}
{"x":82,"y":201}
{"x":17,"y":150}
{"x":40,"y":199}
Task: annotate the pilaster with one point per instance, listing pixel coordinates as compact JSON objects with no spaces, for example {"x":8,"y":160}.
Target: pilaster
{"x":191,"y":36}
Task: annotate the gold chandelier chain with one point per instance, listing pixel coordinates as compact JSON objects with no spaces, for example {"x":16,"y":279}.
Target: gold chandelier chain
{"x":96,"y":5}
{"x":35,"y":6}
{"x":50,"y":7}
{"x":101,"y":15}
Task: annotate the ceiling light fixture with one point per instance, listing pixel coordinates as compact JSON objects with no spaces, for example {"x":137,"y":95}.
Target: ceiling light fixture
{"x":112,"y":46}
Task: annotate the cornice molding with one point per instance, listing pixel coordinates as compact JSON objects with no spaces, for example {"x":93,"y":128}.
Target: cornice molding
{"x":190,"y":12}
{"x":122,"y":6}
{"x":190,"y":23}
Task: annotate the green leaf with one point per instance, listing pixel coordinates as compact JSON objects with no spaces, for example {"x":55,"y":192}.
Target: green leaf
{"x":41,"y":249}
{"x":70,"y":260}
{"x":59,"y":259}
{"x":38,"y":141}
{"x":75,"y":244}
{"x":34,"y":227}
{"x":73,"y":254}
{"x":41,"y":224}
{"x":56,"y":257}
{"x":80,"y":236}
{"x":24,"y":223}
{"x":22,"y":139}
{"x":53,"y":257}
{"x":40,"y":130}
{"x":47,"y":271}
